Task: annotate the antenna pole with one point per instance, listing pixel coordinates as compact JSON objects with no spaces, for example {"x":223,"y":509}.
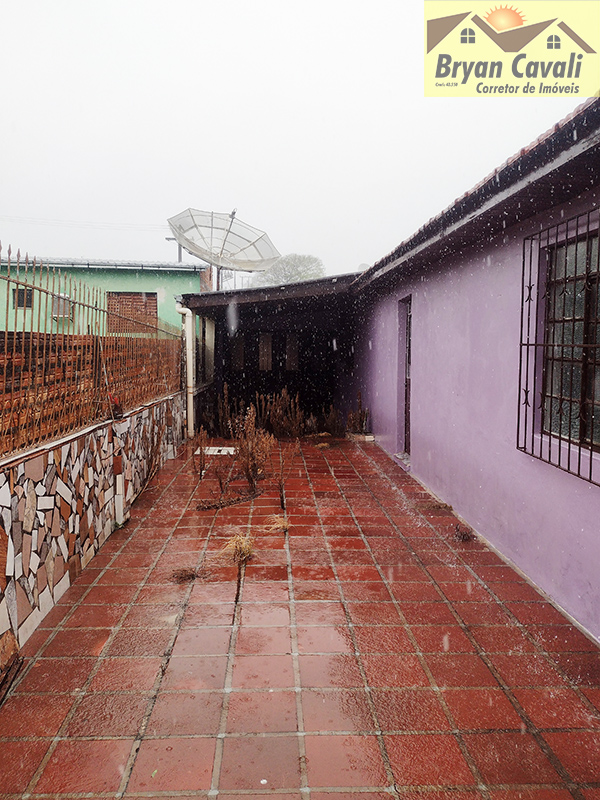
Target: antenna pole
{"x":231,"y":218}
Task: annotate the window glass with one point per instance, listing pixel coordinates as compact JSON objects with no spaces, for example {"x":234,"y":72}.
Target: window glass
{"x":291,"y":352}
{"x":571,"y":364}
{"x":265,"y":352}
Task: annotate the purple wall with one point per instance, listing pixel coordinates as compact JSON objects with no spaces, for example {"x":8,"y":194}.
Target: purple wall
{"x":465,"y":363}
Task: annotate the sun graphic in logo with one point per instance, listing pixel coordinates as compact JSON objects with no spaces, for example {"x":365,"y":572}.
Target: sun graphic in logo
{"x":502,"y":18}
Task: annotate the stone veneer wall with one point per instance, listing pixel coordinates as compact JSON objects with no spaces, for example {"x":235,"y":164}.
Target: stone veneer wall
{"x":59,"y":504}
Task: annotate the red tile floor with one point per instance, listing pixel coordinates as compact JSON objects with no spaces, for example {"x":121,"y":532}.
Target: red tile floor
{"x":373,"y":654}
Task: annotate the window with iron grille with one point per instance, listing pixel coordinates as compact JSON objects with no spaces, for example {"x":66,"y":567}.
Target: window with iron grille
{"x":559,"y":402}
{"x":22,"y":297}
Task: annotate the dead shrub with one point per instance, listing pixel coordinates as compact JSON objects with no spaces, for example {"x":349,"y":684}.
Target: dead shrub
{"x":358,"y":420}
{"x":281,"y":473}
{"x":253,"y":447}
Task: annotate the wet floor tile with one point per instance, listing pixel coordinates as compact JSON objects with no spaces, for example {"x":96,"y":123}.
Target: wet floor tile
{"x":262,"y":712}
{"x":85,"y":766}
{"x":337,"y":670}
{"x":383,"y":639}
{"x":578,"y":751}
{"x":108,"y":715}
{"x":482,"y":709}
{"x":56,"y":675}
{"x":414,"y":591}
{"x":529,"y":669}
{"x":197,"y":615}
{"x":159,"y":615}
{"x":409,"y":710}
{"x":20,"y":716}
{"x":441,"y":639}
{"x":194,"y":673}
{"x":394,"y":671}
{"x":84,"y":642}
{"x":435,"y":759}
{"x":557,"y":707}
{"x":434,"y":646}
{"x":260,"y":762}
{"x":459,"y":669}
{"x":140,"y":642}
{"x":125,"y":675}
{"x":344,"y":760}
{"x":186,"y":714}
{"x":336,"y":710}
{"x":374,"y":613}
{"x":319,"y":613}
{"x":94,"y":616}
{"x":173,"y":765}
{"x":202,"y":642}
{"x":325,"y":639}
{"x":315,"y":590}
{"x":263,"y":614}
{"x":258,"y":672}
{"x":99,"y":595}
{"x":18,"y":764}
{"x":254,"y":641}
{"x":509,"y":758}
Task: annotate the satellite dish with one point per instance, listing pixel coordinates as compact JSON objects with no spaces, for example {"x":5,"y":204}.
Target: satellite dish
{"x":223,"y":240}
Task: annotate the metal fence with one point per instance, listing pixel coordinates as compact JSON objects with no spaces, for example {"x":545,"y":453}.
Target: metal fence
{"x":67,"y":362}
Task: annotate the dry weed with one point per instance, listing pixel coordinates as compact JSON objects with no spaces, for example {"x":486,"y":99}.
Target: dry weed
{"x":277,"y":523}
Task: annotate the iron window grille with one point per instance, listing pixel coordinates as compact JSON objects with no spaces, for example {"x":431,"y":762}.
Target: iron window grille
{"x":22,"y":297}
{"x":559,"y":371}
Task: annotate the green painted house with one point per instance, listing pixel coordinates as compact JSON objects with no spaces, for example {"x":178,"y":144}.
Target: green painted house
{"x":142,"y":288}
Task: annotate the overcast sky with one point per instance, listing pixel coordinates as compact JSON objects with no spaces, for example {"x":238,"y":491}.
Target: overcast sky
{"x":308,"y":117}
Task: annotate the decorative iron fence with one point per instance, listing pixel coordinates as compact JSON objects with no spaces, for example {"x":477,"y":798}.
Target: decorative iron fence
{"x":67,"y":362}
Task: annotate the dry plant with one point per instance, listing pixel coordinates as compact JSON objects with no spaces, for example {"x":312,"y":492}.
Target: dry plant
{"x":276,"y":523}
{"x":358,"y":420}
{"x":252,"y":447}
{"x":333,"y":422}
{"x":224,"y":413}
{"x":199,"y":444}
{"x":184,"y":575}
{"x":228,"y":412}
{"x":263,"y":410}
{"x":286,"y":418}
{"x":311,"y":426}
{"x":240,"y":549}
{"x":283,"y":469}
{"x":223,"y":469}
{"x":463,"y":534}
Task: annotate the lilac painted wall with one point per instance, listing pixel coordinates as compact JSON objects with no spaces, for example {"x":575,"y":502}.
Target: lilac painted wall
{"x":465,"y":362}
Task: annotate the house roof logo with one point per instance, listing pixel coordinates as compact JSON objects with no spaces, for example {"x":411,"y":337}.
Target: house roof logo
{"x":504,"y":26}
{"x":516,"y":48}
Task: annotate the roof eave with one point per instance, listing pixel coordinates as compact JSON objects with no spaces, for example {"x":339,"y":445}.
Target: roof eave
{"x":549,"y":156}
